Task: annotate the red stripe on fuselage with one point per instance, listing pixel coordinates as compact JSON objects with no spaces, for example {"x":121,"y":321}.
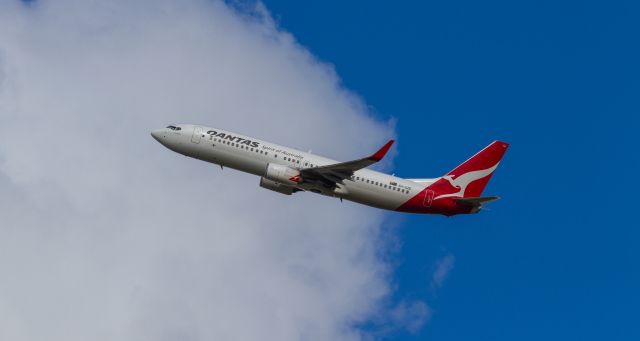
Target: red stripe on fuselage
{"x":420,"y":203}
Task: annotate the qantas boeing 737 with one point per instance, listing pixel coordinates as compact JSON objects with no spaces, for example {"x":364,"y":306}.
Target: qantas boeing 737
{"x":287,"y":170}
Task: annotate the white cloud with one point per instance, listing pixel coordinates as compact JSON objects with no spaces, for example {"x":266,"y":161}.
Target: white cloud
{"x":443,"y":267}
{"x":105,"y":234}
{"x":411,"y":315}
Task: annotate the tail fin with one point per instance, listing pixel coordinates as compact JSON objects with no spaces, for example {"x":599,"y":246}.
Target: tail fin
{"x":470,"y":178}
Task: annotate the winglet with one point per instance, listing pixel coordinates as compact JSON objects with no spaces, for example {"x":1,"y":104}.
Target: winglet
{"x":382,"y":152}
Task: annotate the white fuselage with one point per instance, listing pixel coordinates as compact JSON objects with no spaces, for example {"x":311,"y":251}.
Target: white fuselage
{"x":252,"y":155}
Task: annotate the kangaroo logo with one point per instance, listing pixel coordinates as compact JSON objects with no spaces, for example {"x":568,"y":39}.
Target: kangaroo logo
{"x":462,"y":181}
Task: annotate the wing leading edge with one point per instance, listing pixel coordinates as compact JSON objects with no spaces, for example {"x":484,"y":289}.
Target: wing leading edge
{"x":330,"y":175}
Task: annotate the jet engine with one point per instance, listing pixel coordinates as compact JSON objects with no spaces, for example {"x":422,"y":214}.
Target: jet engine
{"x":276,"y":186}
{"x":282,"y":174}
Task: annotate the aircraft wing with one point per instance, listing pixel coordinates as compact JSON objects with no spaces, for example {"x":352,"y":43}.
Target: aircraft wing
{"x":330,"y":175}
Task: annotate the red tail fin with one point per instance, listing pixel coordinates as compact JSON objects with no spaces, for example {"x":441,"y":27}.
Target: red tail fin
{"x":459,"y":191}
{"x":474,"y":174}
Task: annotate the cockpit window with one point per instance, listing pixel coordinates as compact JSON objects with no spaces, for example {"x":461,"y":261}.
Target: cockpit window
{"x":174,"y":128}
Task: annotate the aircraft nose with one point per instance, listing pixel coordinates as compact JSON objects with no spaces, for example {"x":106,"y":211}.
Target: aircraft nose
{"x":157,"y":134}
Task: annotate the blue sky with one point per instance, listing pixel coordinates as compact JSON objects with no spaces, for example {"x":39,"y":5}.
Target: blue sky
{"x":558,"y":256}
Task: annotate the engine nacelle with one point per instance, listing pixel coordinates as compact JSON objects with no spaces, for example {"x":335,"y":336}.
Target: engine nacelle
{"x":282,"y":174}
{"x":276,"y":186}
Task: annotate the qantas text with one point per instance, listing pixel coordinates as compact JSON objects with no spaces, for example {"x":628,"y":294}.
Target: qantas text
{"x":235,"y":139}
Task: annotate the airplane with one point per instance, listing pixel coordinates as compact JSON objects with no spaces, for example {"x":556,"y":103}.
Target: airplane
{"x":286,"y":170}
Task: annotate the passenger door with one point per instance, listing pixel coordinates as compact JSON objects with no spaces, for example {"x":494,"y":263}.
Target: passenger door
{"x":428,"y":197}
{"x":197,"y":135}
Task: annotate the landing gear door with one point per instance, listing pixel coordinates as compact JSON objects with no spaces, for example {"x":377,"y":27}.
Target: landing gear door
{"x":197,"y":135}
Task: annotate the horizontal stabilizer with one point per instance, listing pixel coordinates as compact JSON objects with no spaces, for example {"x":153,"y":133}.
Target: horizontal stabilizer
{"x":475,"y":202}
